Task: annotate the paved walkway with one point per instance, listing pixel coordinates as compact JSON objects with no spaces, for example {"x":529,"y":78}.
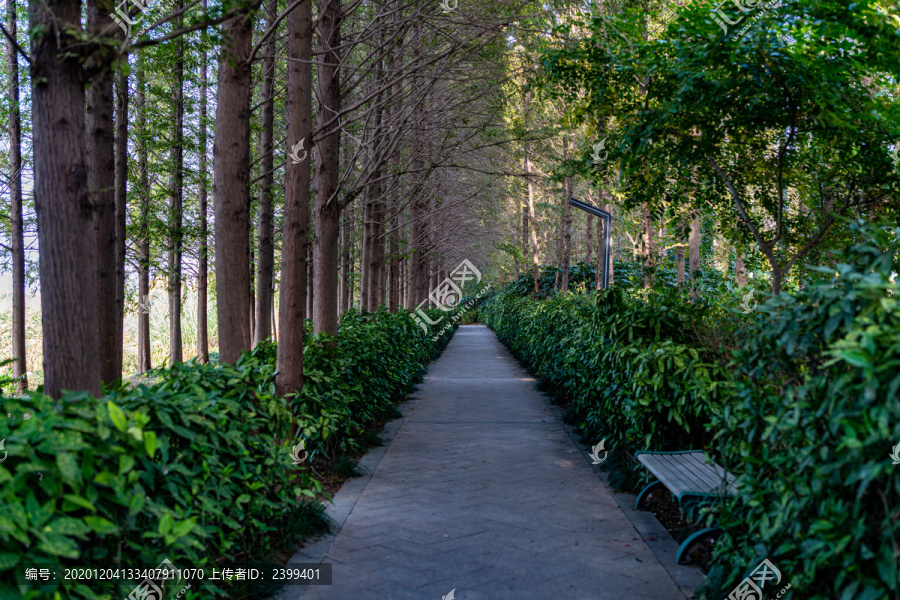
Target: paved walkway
{"x":483,"y":492}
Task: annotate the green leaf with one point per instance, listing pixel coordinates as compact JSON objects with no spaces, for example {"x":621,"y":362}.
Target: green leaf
{"x":136,"y":504}
{"x":78,"y":500}
{"x":150,"y":443}
{"x":101,"y":525}
{"x":59,"y":545}
{"x":117,"y":416}
{"x":165,"y":524}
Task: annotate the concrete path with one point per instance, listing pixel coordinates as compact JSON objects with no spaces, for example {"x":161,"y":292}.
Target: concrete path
{"x":482,"y":491}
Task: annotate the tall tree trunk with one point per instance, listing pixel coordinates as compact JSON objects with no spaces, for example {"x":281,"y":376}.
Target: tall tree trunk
{"x":606,"y":207}
{"x":536,"y":266}
{"x":266,"y":262}
{"x":647,"y":247}
{"x":694,"y":251}
{"x":345,"y":260}
{"x":590,"y":236}
{"x":292,"y":297}
{"x":102,"y":185}
{"x":65,"y":212}
{"x":601,"y":236}
{"x":20,"y":366}
{"x":203,"y":253}
{"x":121,"y":198}
{"x":394,"y":267}
{"x":176,"y":200}
{"x":310,"y":279}
{"x":365,"y":249}
{"x":567,"y":234}
{"x":327,"y":165}
{"x":740,"y":271}
{"x":231,"y":160}
{"x":144,"y":361}
{"x":679,"y":257}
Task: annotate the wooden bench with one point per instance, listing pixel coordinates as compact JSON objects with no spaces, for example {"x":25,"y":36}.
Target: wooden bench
{"x":691,"y":477}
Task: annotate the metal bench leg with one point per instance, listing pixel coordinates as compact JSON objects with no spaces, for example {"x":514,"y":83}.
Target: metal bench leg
{"x":647,"y":488}
{"x":692,"y":539}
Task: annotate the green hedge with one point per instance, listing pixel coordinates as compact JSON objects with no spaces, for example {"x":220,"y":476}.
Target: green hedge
{"x":805,"y":412}
{"x":815,"y":414}
{"x":196,"y":468}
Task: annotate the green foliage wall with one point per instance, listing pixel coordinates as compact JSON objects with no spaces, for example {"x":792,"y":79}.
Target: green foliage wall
{"x":198,"y":467}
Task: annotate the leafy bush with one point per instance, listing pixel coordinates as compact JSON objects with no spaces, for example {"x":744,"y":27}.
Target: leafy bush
{"x":800,"y":400}
{"x":196,"y":468}
{"x":814,"y":417}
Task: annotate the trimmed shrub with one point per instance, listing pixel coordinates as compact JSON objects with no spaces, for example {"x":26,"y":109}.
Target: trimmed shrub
{"x":809,"y":432}
{"x":196,"y":468}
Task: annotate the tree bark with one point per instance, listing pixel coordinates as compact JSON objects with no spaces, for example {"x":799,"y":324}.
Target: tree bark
{"x":345,"y":260}
{"x":102,"y":185}
{"x":144,"y":360}
{"x":647,"y":246}
{"x":292,"y":304}
{"x":203,"y":253}
{"x":694,"y":251}
{"x":231,"y":160}
{"x":536,"y":266}
{"x":20,"y":366}
{"x":65,"y":212}
{"x":679,"y":257}
{"x":394,"y":266}
{"x":176,"y":201}
{"x":328,"y":208}
{"x":567,"y":230}
{"x":740,"y":272}
{"x":121,"y":199}
{"x":266,"y":261}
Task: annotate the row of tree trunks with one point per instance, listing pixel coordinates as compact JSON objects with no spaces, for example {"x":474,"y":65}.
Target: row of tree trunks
{"x":293,"y":296}
{"x":327,"y":203}
{"x":101,"y":183}
{"x":121,"y":177}
{"x":143,"y":242}
{"x":265,"y":242}
{"x":203,"y":253}
{"x":20,"y":366}
{"x":231,"y":160}
{"x":176,"y":204}
{"x":65,"y":211}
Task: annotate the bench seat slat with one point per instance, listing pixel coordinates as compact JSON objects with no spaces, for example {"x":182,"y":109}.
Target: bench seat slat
{"x":687,"y":472}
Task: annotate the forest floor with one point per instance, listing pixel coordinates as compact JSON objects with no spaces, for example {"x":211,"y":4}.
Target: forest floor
{"x":481,"y":491}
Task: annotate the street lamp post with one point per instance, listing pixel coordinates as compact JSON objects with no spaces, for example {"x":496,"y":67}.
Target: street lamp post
{"x":607,"y":236}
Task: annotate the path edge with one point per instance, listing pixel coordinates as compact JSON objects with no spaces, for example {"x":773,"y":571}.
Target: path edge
{"x":686,"y":577}
{"x":338,"y":510}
